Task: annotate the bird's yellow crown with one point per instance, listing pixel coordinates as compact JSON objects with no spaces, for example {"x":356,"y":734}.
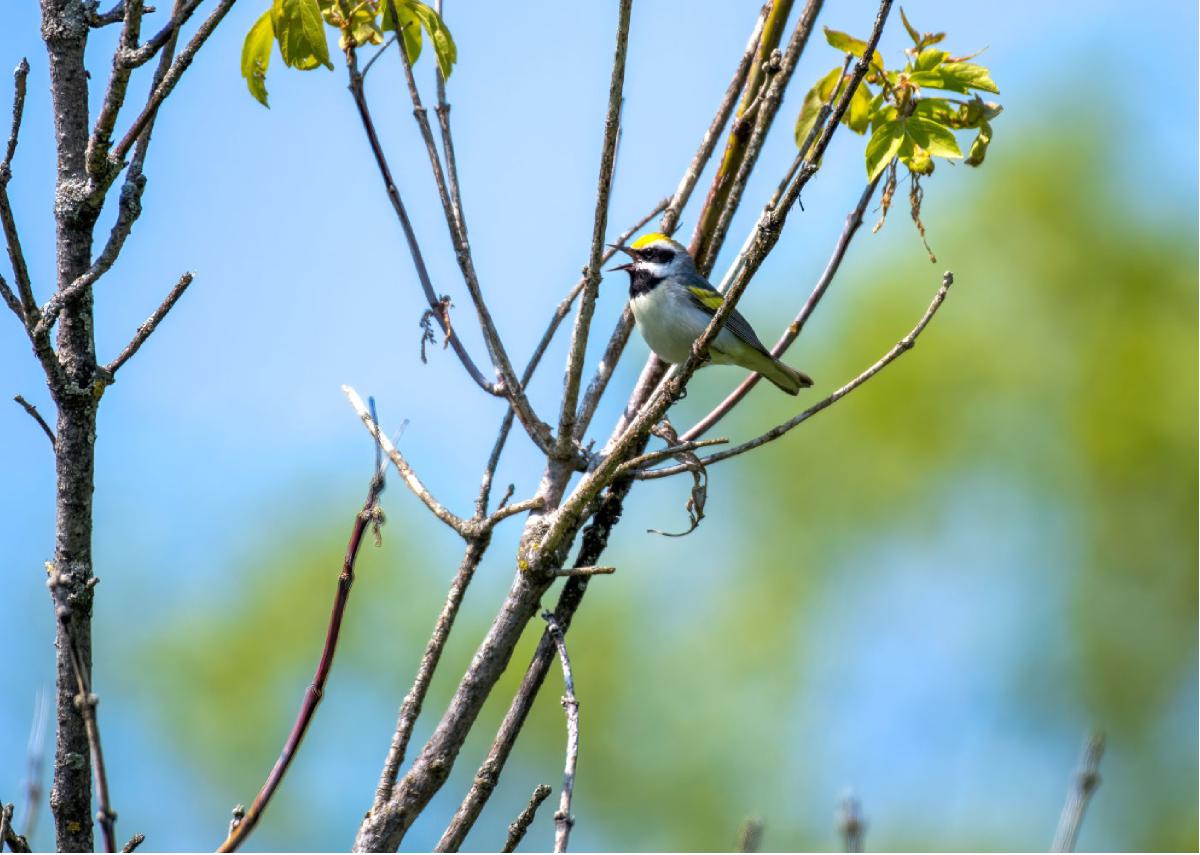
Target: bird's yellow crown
{"x":652,"y":238}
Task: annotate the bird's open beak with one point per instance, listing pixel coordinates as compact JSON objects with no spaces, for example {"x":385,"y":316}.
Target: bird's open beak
{"x":625,"y":250}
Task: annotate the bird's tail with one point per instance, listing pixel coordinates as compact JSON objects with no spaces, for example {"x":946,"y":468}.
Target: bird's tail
{"x":784,"y":376}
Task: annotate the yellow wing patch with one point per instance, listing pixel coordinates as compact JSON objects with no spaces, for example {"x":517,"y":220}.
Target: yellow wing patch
{"x":711,"y":300}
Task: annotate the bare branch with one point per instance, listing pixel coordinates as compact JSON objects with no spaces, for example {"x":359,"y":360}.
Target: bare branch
{"x":368,"y":516}
{"x":709,"y":141}
{"x":37,"y":417}
{"x":1086,"y":780}
{"x":595,"y":539}
{"x":569,"y":572}
{"x":151,"y":324}
{"x":143,"y":54}
{"x":587,"y":304}
{"x":563,"y":821}
{"x":134,"y":843}
{"x":768,"y":80}
{"x":145,"y":330}
{"x":905,"y":344}
{"x":410,"y":708}
{"x":850,"y":824}
{"x":463,"y":527}
{"x":170,"y":79}
{"x":750,"y":835}
{"x":516,"y":831}
{"x":620,"y":336}
{"x":129,"y":206}
{"x":538,"y":430}
{"x":114,"y":96}
{"x":506,"y":511}
{"x":85,"y":702}
{"x":16,"y":843}
{"x":634,"y":463}
{"x":853,"y":221}
{"x":513,"y":388}
{"x":28,"y":303}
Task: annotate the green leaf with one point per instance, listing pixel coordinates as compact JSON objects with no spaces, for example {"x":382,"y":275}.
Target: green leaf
{"x":813,"y":101}
{"x":301,"y":33}
{"x":256,"y":56}
{"x":858,"y":113}
{"x":409,"y":28}
{"x":980,"y":145}
{"x":848,"y":44}
{"x":443,"y":44}
{"x":935,"y":138}
{"x":915,"y":158}
{"x":883,"y":145}
{"x":956,"y":77}
{"x":913,"y":32}
{"x":929,"y":59}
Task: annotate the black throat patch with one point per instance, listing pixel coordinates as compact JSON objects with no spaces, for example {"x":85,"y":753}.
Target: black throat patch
{"x":642,"y":281}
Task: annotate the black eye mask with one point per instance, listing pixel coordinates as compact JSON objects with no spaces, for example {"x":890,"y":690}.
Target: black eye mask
{"x":656,"y":255}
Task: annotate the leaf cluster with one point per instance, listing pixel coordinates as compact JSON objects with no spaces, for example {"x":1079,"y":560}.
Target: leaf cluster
{"x":298,"y":27}
{"x":905,"y":122}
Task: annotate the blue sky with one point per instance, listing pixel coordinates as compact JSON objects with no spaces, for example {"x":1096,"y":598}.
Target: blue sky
{"x":302,"y":283}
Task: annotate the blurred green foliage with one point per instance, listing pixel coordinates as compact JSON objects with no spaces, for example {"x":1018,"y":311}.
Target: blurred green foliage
{"x":1061,"y":373}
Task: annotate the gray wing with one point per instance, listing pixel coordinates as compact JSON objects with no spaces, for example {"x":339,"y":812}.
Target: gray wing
{"x":735,"y":323}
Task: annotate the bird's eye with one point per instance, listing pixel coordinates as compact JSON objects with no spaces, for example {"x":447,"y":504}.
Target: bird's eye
{"x":657,"y":255}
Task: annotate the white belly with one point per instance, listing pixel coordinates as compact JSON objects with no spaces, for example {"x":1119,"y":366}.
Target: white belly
{"x":671,"y":323}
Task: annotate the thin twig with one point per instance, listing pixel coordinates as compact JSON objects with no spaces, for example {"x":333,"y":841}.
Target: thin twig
{"x":28,"y":303}
{"x":382,"y":50}
{"x":16,"y":843}
{"x":750,"y":835}
{"x":593,"y":570}
{"x":563,"y":821}
{"x":145,"y":330}
{"x":463,"y":527}
{"x":853,"y":221}
{"x":687,"y":184}
{"x":587,"y":302}
{"x":516,"y":831}
{"x":367,"y":517}
{"x":1084,"y":784}
{"x":905,"y":344}
{"x":163,"y":89}
{"x":86,"y":702}
{"x":114,"y":95}
{"x":37,"y":417}
{"x":134,"y":843}
{"x":851,"y":825}
{"x":462,"y":251}
{"x":650,"y":457}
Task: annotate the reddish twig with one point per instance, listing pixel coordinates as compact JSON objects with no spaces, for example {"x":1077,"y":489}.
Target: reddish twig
{"x":312,"y":696}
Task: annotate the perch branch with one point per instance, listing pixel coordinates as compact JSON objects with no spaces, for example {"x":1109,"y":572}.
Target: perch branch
{"x":687,"y":184}
{"x":905,"y":344}
{"x":853,"y":221}
{"x":1086,"y":780}
{"x":312,"y":696}
{"x":516,"y":831}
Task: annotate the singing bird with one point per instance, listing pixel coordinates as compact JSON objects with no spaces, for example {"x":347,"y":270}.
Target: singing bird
{"x":673,"y":304}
